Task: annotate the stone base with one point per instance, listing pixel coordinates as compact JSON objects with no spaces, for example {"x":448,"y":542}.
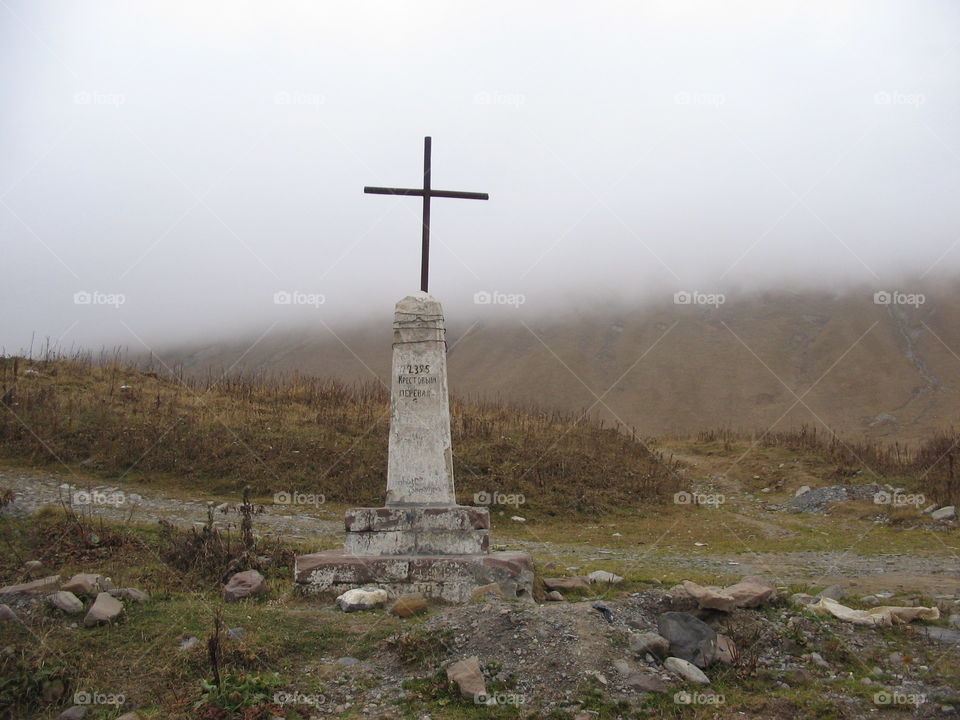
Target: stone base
{"x":417,"y":530}
{"x":450,"y":578}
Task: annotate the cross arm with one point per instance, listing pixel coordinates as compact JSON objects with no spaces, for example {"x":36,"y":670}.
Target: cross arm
{"x":433,"y":193}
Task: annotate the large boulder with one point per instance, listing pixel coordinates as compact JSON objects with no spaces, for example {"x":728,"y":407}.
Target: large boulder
{"x":243,"y":585}
{"x":362,"y":599}
{"x":67,"y":602}
{"x":469,"y":679}
{"x":690,"y":638}
{"x":105,"y":609}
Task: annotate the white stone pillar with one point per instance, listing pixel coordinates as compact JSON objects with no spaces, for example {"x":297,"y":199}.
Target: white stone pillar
{"x":420,"y":462}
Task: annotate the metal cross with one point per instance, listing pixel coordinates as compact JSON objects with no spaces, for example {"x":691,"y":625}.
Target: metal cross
{"x":426,"y":192}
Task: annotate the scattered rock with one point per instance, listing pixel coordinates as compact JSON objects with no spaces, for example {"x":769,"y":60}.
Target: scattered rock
{"x":752,"y":591}
{"x":646,"y":682}
{"x":409,"y":604}
{"x":686,"y":670}
{"x":945,"y":513}
{"x":349,"y":661}
{"x":105,"y":609}
{"x":602,"y":576}
{"x":930,"y":508}
{"x":362,"y":599}
{"x":67,"y":602}
{"x":188,"y":642}
{"x":469,"y":678}
{"x":690,"y":639}
{"x":834,"y":592}
{"x":555,"y":596}
{"x":517,"y":518}
{"x":6,"y":614}
{"x":566,"y":583}
{"x":43,"y":586}
{"x":137,"y":596}
{"x":130,"y":716}
{"x":801,"y":490}
{"x":710,"y":598}
{"x":650,"y":642}
{"x":243,"y":585}
{"x":817,"y":659}
{"x":77,"y":712}
{"x":802,"y":599}
{"x":83,"y":584}
{"x":32,"y":566}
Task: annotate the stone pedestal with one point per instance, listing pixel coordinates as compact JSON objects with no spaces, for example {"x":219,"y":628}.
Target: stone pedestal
{"x":422,"y":541}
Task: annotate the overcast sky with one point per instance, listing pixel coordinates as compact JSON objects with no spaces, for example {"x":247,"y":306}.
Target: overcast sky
{"x":181,"y":162}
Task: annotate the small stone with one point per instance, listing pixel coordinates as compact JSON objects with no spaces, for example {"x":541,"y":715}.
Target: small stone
{"x":105,"y":609}
{"x":802,"y":599}
{"x":945,"y":513}
{"x":834,"y":592}
{"x":602,"y":576}
{"x":77,"y":712}
{"x":347,"y":661}
{"x":244,"y":584}
{"x":409,"y":604}
{"x":67,"y":602}
{"x":870,"y":600}
{"x":799,"y":676}
{"x":621,"y":666}
{"x":362,"y":599}
{"x":6,"y":614}
{"x":817,"y":659}
{"x":469,"y":678}
{"x":32,"y":566}
{"x":555,"y":596}
{"x":726,"y":650}
{"x":130,"y":716}
{"x":82,"y":584}
{"x":686,"y":670}
{"x":517,"y":518}
{"x":802,"y":490}
{"x":646,"y":682}
{"x":137,"y":596}
{"x":566,"y":583}
{"x":930,"y":508}
{"x":650,"y":642}
{"x":188,"y":642}
{"x":491,"y":590}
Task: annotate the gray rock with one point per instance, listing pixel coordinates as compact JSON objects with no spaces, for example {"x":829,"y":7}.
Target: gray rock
{"x":469,"y":678}
{"x":555,"y":596}
{"x":67,"y":602}
{"x":646,"y":682}
{"x":686,"y":670}
{"x":834,"y":592}
{"x":650,"y":642}
{"x":188,"y":642}
{"x":954,"y":620}
{"x":105,"y":609}
{"x":32,"y":566}
{"x":802,"y":490}
{"x":602,"y":576}
{"x":43,"y":586}
{"x":248,"y":583}
{"x":945,"y":513}
{"x":690,"y":639}
{"x":6,"y":614}
{"x":802,"y":599}
{"x":930,"y":508}
{"x":82,"y":584}
{"x":347,"y":661}
{"x":817,"y":659}
{"x":137,"y":596}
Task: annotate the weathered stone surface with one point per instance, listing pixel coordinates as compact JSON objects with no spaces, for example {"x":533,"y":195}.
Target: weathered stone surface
{"x":469,"y":678}
{"x":420,"y":459}
{"x":690,"y":638}
{"x":751,"y":591}
{"x":42,"y":586}
{"x":83,"y":584}
{"x":362,"y":599}
{"x":105,"y":609}
{"x":456,"y":517}
{"x":555,"y":596}
{"x":32,"y":566}
{"x":711,"y":598}
{"x":602,"y":576}
{"x":137,"y":596}
{"x":945,"y":513}
{"x":488,"y":590}
{"x":566,"y":583}
{"x":686,"y":670}
{"x":726,"y":650}
{"x":646,"y":682}
{"x":6,"y":614}
{"x":450,"y":578}
{"x":409,"y":604}
{"x":67,"y":602}
{"x":650,"y":642}
{"x":802,"y":599}
{"x":248,"y":583}
{"x":417,"y":542}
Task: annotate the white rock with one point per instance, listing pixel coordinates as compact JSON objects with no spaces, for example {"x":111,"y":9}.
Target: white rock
{"x":362,"y":599}
{"x":517,"y":518}
{"x":686,"y":670}
{"x":945,"y":513}
{"x":802,"y":490}
{"x":602,"y":576}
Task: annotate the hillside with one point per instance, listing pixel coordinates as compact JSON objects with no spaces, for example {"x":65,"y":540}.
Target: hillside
{"x":762,"y":360}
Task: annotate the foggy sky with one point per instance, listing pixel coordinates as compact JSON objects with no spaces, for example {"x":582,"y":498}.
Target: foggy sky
{"x":195,"y":158}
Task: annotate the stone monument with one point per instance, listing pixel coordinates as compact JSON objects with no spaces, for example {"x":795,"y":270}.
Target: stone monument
{"x":421,"y":540}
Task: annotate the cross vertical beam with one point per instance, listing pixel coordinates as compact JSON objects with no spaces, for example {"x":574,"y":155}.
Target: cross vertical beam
{"x":426,"y":192}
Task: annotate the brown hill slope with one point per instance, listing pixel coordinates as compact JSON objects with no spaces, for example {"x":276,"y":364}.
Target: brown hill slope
{"x":766,"y":360}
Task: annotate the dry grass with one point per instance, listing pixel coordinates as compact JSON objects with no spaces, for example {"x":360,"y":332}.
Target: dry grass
{"x":304,"y":434}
